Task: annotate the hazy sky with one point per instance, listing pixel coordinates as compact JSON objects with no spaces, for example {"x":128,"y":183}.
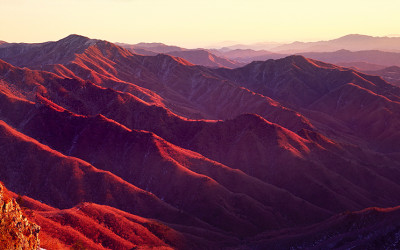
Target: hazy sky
{"x":196,"y":23}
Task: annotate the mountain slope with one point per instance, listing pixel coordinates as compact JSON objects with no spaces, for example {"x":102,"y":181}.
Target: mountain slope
{"x":65,"y":181}
{"x":139,"y":157}
{"x":371,"y":228}
{"x":306,"y":85}
{"x":102,"y":227}
{"x":278,"y":148}
{"x":37,"y":55}
{"x":298,"y":81}
{"x":390,"y":74}
{"x":207,"y":96}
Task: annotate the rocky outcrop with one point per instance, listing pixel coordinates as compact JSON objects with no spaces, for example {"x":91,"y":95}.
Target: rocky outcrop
{"x":16,"y":231}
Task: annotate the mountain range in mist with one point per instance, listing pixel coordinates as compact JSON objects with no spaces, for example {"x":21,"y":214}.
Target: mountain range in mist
{"x":352,"y":42}
{"x":364,"y":53}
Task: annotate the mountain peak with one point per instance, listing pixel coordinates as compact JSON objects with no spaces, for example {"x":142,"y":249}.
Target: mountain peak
{"x":352,"y":37}
{"x":304,"y":62}
{"x":296,"y":58}
{"x":169,"y":58}
{"x":75,"y":39}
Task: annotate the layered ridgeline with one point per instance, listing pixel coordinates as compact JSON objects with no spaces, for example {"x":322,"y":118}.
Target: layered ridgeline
{"x":371,"y":228}
{"x":281,"y":144}
{"x":195,"y":56}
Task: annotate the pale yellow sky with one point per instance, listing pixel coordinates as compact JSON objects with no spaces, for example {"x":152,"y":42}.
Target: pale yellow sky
{"x":193,"y":23}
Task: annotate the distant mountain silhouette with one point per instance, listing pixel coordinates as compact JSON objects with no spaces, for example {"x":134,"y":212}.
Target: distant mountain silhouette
{"x":248,"y":55}
{"x":367,"y":56}
{"x":194,"y":56}
{"x":205,"y":58}
{"x":353,"y":42}
{"x":361,"y":66}
{"x":156,"y":47}
{"x":251,"y":46}
{"x":364,"y":60}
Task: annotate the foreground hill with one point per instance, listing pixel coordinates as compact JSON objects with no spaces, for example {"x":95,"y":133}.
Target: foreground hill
{"x":94,"y":226}
{"x":17,"y":232}
{"x":100,"y":227}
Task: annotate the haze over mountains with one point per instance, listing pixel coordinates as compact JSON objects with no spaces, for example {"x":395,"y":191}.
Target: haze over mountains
{"x":187,"y":149}
{"x":352,"y":42}
{"x":365,"y":53}
{"x":196,"y":56}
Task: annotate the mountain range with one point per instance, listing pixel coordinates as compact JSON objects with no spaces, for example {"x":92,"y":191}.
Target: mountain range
{"x":364,"y":53}
{"x":195,"y":56}
{"x":114,"y":148}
